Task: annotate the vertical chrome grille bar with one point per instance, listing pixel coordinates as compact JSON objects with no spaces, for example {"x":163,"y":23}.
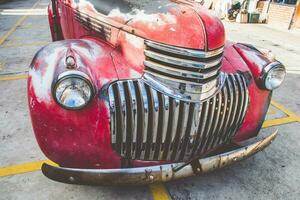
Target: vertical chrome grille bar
{"x":123,"y":114}
{"x":208,"y":127}
{"x":225,"y":112}
{"x":146,"y":116}
{"x":169,"y":130}
{"x":217,"y":133}
{"x":140,"y":119}
{"x":196,"y":118}
{"x":215,"y":110}
{"x":113,"y":120}
{"x":187,"y":131}
{"x":241,"y":104}
{"x":186,"y":109}
{"x":160,"y":124}
{"x":229,"y":110}
{"x":214,"y":132}
{"x":132,"y":94}
{"x":246,"y":99}
{"x":176,"y":106}
{"x":201,"y":128}
{"x":165,"y":120}
{"x":129,"y":120}
{"x":150,"y":129}
{"x":118,"y":119}
{"x":175,"y":117}
{"x":235,"y":105}
{"x":155,"y":122}
{"x":166,"y":105}
{"x":180,"y":130}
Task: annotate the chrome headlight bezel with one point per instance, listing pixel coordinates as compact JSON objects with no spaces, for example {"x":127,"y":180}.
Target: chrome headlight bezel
{"x":269,"y":69}
{"x":77,"y":75}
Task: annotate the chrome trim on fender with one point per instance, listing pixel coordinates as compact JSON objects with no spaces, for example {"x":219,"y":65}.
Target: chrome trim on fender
{"x":154,"y":174}
{"x":267,"y":68}
{"x":73,"y":73}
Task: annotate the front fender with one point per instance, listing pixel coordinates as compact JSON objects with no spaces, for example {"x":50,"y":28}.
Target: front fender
{"x":72,"y":138}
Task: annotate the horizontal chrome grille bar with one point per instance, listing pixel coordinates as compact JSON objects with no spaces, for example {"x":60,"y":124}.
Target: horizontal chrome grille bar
{"x":147,"y":124}
{"x":179,"y":75}
{"x":184,"y":51}
{"x":182,"y":63}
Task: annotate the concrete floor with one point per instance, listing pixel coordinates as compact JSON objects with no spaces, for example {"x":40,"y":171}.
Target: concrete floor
{"x":271,"y":174}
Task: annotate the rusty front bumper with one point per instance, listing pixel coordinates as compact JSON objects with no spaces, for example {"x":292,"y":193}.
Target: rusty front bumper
{"x":147,"y":175}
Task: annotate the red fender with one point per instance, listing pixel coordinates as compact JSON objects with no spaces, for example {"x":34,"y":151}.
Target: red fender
{"x":72,"y":138}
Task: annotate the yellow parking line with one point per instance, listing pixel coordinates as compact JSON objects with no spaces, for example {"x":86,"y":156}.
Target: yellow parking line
{"x":292,"y":117}
{"x":11,"y":78}
{"x":159,"y":192}
{"x":14,"y":45}
{"x":271,"y":112}
{"x":32,"y":26}
{"x":23,"y":168}
{"x":280,"y":121}
{"x":285,"y":110}
{"x":18,"y":23}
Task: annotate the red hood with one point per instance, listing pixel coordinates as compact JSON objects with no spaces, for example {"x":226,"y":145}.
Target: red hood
{"x":179,"y":26}
{"x":182,"y":23}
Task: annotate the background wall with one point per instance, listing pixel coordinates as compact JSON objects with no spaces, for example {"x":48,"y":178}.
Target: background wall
{"x":280,"y":15}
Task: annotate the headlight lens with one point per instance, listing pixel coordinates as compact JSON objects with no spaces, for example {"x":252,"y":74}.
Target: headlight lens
{"x":274,"y":75}
{"x":73,"y":91}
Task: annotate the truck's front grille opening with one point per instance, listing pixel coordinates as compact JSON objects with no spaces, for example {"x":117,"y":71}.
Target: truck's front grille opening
{"x":150,"y":125}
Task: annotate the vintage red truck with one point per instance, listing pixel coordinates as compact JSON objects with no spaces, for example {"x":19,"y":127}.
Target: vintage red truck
{"x":136,"y":92}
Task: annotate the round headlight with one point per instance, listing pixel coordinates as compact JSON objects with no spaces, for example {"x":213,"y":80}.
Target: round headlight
{"x":73,"y":91}
{"x":274,"y":75}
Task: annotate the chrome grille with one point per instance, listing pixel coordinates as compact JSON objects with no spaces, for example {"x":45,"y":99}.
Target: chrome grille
{"x":149,"y":125}
{"x":186,"y":70}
